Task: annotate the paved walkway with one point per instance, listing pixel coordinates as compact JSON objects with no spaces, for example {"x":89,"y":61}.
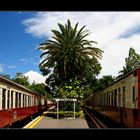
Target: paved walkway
{"x":47,"y":122}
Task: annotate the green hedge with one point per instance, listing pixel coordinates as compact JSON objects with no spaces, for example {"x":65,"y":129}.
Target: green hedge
{"x":64,"y":114}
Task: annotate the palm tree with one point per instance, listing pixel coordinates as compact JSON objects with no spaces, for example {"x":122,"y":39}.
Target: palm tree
{"x":68,"y":54}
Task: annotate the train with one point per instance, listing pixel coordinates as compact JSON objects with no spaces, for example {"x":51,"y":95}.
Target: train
{"x":119,"y":102}
{"x":18,"y":102}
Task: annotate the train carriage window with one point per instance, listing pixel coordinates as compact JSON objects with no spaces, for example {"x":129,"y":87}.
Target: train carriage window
{"x":133,"y":93}
{"x":108,"y":99}
{"x":23,"y":100}
{"x":11,"y":99}
{"x":102,"y":99}
{"x":8,"y":99}
{"x":105,"y":98}
{"x":123,"y":89}
{"x":123,"y":98}
{"x":99,"y":100}
{"x":3,"y":98}
{"x":112,"y":98}
{"x":28,"y":100}
{"x":109,"y":103}
{"x":119,"y":96}
{"x":33,"y":100}
{"x":115,"y":97}
{"x":135,"y":73}
{"x":16,"y":100}
{"x":19,"y":105}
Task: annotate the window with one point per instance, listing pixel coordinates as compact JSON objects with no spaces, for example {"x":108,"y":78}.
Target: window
{"x":23,"y":100}
{"x":19,"y":105}
{"x":123,"y":89}
{"x":112,"y":98}
{"x":16,"y":100}
{"x":119,"y":96}
{"x":8,"y":99}
{"x":3,"y":98}
{"x":109,"y":97}
{"x":11,"y":99}
{"x":123,"y":99}
{"x":115,"y":97}
{"x":133,"y":93}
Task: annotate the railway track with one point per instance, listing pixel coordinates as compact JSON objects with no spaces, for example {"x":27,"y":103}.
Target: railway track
{"x":93,"y":121}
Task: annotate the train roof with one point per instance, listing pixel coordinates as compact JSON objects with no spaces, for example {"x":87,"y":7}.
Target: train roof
{"x":122,"y":77}
{"x":10,"y":82}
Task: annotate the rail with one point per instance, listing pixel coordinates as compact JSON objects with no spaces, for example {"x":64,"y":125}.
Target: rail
{"x":98,"y":123}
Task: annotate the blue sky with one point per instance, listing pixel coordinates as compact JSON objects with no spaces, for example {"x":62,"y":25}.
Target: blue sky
{"x":18,"y":51}
{"x":21,"y":33}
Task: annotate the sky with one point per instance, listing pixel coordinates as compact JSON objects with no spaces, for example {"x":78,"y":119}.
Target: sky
{"x":21,"y":32}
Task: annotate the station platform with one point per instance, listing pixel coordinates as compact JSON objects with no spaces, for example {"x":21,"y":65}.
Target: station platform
{"x":49,"y":122}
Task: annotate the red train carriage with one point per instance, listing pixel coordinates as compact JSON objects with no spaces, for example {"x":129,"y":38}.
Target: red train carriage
{"x":120,"y":101}
{"x":17,"y":102}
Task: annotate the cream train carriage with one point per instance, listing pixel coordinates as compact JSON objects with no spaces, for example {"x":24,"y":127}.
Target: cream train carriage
{"x":18,"y":102}
{"x":119,"y":101}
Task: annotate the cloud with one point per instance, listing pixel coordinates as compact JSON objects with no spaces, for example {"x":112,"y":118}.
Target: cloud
{"x":35,"y":76}
{"x":29,"y":61}
{"x":4,"y":67}
{"x":1,"y":69}
{"x":24,"y":60}
{"x":11,"y":67}
{"x":115,"y":32}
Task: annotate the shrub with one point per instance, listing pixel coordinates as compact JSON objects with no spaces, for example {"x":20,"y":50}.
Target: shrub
{"x":65,"y":114}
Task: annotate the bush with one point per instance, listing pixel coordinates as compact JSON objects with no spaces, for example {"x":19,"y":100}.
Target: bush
{"x":68,"y":106}
{"x":65,"y":114}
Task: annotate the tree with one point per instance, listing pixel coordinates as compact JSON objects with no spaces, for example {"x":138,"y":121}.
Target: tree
{"x":98,"y":83}
{"x":106,"y":80}
{"x":69,"y":55}
{"x":5,"y":75}
{"x":131,"y":62}
{"x":71,"y":89}
{"x":22,"y":80}
{"x":41,"y":89}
